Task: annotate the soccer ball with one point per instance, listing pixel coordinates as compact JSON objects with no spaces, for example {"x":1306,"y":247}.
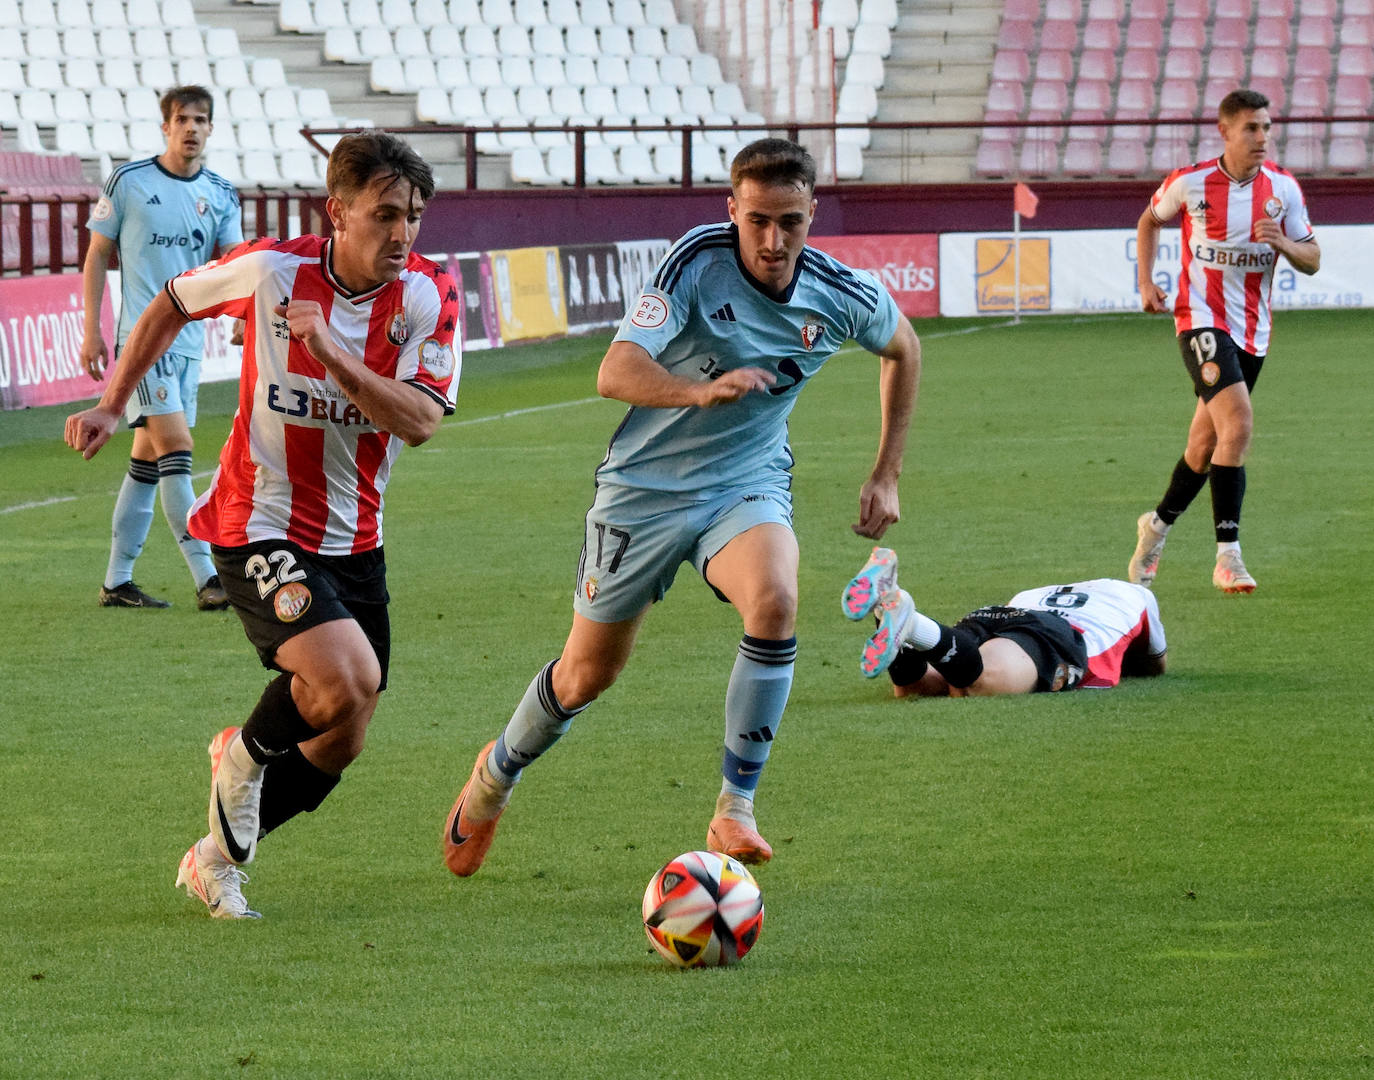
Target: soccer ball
{"x":703,"y":909}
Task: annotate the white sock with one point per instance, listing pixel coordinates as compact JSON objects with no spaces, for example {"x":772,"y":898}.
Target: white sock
{"x":1223,"y":546}
{"x":923,"y":631}
{"x":1157,"y":523}
{"x":209,"y":850}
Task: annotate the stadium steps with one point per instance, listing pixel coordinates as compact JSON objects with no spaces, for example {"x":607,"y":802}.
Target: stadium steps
{"x":938,"y":71}
{"x":302,"y":57}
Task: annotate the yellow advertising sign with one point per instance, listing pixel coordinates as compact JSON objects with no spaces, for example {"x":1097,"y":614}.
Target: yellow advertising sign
{"x":995,"y":269}
{"x":530,"y":301}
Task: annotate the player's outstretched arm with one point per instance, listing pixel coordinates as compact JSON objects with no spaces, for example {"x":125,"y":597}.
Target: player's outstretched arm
{"x":409,"y":414}
{"x":1152,"y":297}
{"x":899,"y":378}
{"x":150,"y":338}
{"x":629,"y":374}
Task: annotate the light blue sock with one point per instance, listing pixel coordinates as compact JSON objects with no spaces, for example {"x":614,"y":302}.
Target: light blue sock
{"x":174,"y":483}
{"x":538,"y":722}
{"x":133,"y":515}
{"x":754,"y":701}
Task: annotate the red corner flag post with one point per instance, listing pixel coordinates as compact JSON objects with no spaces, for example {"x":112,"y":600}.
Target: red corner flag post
{"x":1023,"y":204}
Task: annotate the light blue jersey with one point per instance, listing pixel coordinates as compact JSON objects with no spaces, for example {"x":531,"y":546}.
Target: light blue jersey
{"x":703,"y":315}
{"x":162,"y":225}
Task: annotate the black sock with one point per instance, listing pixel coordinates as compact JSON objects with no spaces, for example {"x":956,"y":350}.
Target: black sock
{"x":1228,"y":492}
{"x":275,"y":725}
{"x":291,"y":785}
{"x":907,"y":666}
{"x":1184,"y":485}
{"x":956,"y":656}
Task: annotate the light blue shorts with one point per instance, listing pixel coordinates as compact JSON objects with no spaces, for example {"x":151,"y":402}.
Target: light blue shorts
{"x":169,"y":387}
{"x":637,"y":539}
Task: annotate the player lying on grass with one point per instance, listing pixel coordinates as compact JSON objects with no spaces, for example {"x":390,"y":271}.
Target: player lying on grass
{"x":1055,"y":637}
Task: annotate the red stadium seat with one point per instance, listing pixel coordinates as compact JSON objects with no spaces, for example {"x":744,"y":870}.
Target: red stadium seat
{"x":1126,"y":157}
{"x":1049,"y":100}
{"x":1355,"y":60}
{"x":1271,"y":32}
{"x":1029,"y":10}
{"x":1183,"y":65}
{"x":1172,"y":149}
{"x":1276,"y":90}
{"x":1192,"y":9}
{"x":1054,"y":65}
{"x":1006,"y":101}
{"x":1064,"y":9}
{"x":1353,"y":96}
{"x":1308,"y":96}
{"x":1187,"y":34}
{"x":1083,"y":157}
{"x":1040,"y":152}
{"x":1357,"y":31}
{"x":1011,"y":65}
{"x":1140,"y":64}
{"x":1178,"y":99}
{"x":1325,"y":9}
{"x":1148,"y":10}
{"x":1092,"y":98}
{"x":1312,"y":61}
{"x":1059,"y":34}
{"x":1147,"y":34}
{"x":994,"y":158}
{"x":1232,"y":9}
{"x":1316,"y":30}
{"x":1226,"y":64}
{"x":1135,"y":99}
{"x":1358,"y":9}
{"x":1212,"y":93}
{"x":1346,"y":155}
{"x":1097,"y":64}
{"x":1113,"y":10}
{"x":1230,"y":34}
{"x":1269,"y":63}
{"x":1303,"y":155}
{"x":1101,"y":34}
{"x":1016,"y":34}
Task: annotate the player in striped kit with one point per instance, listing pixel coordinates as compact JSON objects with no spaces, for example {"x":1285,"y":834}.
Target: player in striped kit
{"x":348,"y":354}
{"x":1047,"y":639}
{"x":1240,"y":213}
{"x":163,"y":214}
{"x":736,"y":320}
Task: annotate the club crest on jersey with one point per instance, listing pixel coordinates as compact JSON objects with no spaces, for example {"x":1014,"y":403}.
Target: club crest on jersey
{"x":161,"y":394}
{"x":1273,"y":207}
{"x":399,"y":330}
{"x":436,"y":358}
{"x":291,"y":602}
{"x":811,"y":333}
{"x":1210,"y":373}
{"x":591,"y":587}
{"x":202,"y":207}
{"x":103,"y":209}
{"x":650,"y":312}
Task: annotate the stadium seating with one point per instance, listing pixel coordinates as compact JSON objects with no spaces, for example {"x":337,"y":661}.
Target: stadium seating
{"x":1172,"y":58}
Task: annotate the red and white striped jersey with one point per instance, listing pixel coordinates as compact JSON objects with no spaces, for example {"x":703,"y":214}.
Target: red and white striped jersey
{"x":1110,"y":614}
{"x":302,"y":462}
{"x":1227,"y":275}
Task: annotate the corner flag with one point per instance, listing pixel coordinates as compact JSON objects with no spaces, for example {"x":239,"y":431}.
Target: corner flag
{"x":1024,"y":201}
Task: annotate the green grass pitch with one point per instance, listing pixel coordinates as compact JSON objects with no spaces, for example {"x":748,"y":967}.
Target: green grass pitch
{"x":1170,"y":879}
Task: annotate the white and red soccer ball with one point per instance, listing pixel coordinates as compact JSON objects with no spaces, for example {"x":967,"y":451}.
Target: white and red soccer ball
{"x":703,"y":909}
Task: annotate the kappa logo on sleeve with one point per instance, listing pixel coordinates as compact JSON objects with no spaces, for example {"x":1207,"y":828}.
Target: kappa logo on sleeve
{"x":651,"y":311}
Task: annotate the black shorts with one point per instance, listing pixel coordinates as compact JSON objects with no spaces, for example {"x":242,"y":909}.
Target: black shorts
{"x":1053,"y":644}
{"x":1214,"y":362}
{"x":278,"y":589}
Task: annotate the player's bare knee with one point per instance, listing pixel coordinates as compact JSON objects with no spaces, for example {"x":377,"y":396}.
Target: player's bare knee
{"x":579,"y":684}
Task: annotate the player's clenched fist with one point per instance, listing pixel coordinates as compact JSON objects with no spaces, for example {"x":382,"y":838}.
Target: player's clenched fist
{"x":734,"y":384}
{"x":89,"y":430}
{"x":305,"y":319}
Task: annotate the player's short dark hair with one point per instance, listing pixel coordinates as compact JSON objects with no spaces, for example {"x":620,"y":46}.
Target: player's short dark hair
{"x":364,"y":156}
{"x":774,"y":161}
{"x":1239,"y":101}
{"x":190,"y":94}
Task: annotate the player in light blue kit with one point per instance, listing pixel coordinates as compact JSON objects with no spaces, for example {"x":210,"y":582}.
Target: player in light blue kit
{"x":164,"y":215}
{"x":736,"y":319}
